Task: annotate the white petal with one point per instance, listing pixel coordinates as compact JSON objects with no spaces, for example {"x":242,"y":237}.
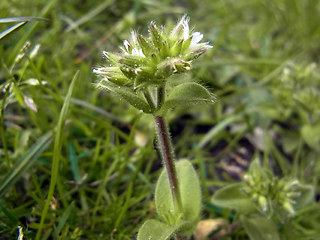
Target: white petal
{"x":182,"y":25}
{"x":134,"y":38}
{"x":126,"y":44}
{"x":137,"y":52}
{"x":185,"y":29}
{"x":97,"y":70}
{"x":196,"y":37}
{"x":105,"y":53}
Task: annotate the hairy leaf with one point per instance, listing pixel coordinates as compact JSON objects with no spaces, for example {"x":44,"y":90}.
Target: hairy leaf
{"x":233,"y":197}
{"x":190,"y":195}
{"x":127,"y":94}
{"x":185,"y":95}
{"x":260,"y":228}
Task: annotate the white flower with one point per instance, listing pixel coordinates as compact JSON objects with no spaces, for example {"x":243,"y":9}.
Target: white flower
{"x":182,"y":28}
{"x":196,"y":38}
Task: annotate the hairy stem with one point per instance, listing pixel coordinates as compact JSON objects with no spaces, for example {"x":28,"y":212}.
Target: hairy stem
{"x":160,"y":97}
{"x":167,"y":155}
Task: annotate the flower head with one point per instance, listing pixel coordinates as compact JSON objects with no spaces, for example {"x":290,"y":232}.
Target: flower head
{"x":150,"y":60}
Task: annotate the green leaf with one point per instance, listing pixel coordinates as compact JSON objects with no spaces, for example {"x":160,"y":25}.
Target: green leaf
{"x":64,"y":218}
{"x":311,"y":135}
{"x":190,"y":195}
{"x":163,"y":199}
{"x":307,"y":196}
{"x":185,"y":95}
{"x":127,"y":94}
{"x":260,"y":228}
{"x":155,"y":230}
{"x":190,"y":190}
{"x":233,"y":197}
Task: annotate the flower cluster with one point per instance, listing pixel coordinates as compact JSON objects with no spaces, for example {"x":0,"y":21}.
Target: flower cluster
{"x":270,"y":192}
{"x":150,"y":60}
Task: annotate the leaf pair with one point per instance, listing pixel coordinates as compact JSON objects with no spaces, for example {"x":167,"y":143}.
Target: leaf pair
{"x":171,"y":220}
{"x":184,"y":95}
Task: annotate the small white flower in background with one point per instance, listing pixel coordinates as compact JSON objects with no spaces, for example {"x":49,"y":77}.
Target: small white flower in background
{"x":152,"y":59}
{"x":30,"y":103}
{"x":34,"y":51}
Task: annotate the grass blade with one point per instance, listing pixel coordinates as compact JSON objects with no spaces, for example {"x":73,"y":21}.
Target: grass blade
{"x":56,"y":154}
{"x":91,"y":14}
{"x":22,"y":19}
{"x":11,"y":29}
{"x":216,"y":129}
{"x":64,"y":218}
{"x":26,"y":161}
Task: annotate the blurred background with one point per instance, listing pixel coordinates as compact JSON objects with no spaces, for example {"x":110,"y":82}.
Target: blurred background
{"x":263,"y":68}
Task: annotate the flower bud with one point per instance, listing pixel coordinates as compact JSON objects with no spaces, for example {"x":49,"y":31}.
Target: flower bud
{"x":263,"y":203}
{"x":164,"y":70}
{"x":197,"y":52}
{"x":112,"y":58}
{"x":180,"y":65}
{"x":288,"y":207}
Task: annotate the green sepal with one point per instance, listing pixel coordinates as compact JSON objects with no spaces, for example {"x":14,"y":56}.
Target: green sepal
{"x":259,"y":228}
{"x":133,"y":61}
{"x":146,"y":47}
{"x":185,"y":95}
{"x":233,"y":196}
{"x":190,"y":196}
{"x":186,"y":44}
{"x":112,"y":58}
{"x":176,"y":49}
{"x":127,"y":94}
{"x":155,"y":35}
{"x":164,"y":50}
{"x":128,"y":72}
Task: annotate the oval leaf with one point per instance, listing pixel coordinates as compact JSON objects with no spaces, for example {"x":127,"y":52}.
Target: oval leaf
{"x":307,"y":196}
{"x":260,"y":228}
{"x":155,"y":230}
{"x":190,"y":190}
{"x":311,"y":135}
{"x":185,"y":95}
{"x":190,"y":195}
{"x":233,"y":197}
{"x":127,"y":94}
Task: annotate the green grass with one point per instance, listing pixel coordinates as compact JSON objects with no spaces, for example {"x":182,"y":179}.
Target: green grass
{"x":102,"y":170}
